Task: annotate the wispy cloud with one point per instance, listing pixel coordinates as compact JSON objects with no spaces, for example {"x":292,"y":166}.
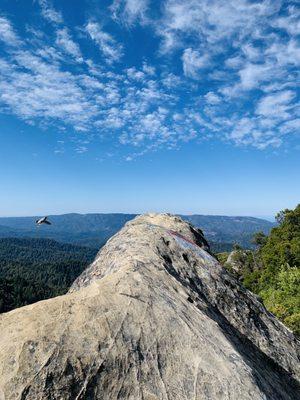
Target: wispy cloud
{"x":212,"y":98}
{"x":290,"y":22}
{"x":213,"y":21}
{"x":129,"y":11}
{"x":7,"y":34}
{"x":276,"y":105}
{"x":65,"y":42}
{"x":35,"y":89}
{"x":49,"y":13}
{"x":193,"y":62}
{"x":38,"y":89}
{"x":111,"y":50}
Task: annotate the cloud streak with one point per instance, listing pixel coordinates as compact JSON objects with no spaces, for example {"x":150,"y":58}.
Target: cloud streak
{"x":129,"y":11}
{"x":111,"y":50}
{"x":49,"y":13}
{"x":7,"y":34}
{"x":65,"y":42}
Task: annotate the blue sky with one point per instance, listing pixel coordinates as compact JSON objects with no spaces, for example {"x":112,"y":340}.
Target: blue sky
{"x":187,"y":106}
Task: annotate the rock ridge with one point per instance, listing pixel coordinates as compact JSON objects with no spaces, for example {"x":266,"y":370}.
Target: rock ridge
{"x":155,"y":316}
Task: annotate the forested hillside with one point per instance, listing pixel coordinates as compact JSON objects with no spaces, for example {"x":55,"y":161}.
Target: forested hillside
{"x":36,"y":269}
{"x":273,"y":270}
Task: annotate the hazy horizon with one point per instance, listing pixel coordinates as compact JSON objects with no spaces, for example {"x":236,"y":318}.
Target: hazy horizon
{"x":266,"y":217}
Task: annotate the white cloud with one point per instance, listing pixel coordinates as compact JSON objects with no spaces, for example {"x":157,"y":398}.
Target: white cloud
{"x":7,"y":33}
{"x":81,"y":149}
{"x":292,"y":126}
{"x":171,"y":80}
{"x":212,"y":20}
{"x":252,"y":53}
{"x":129,"y":11}
{"x":243,"y":128}
{"x":193,"y":62}
{"x":249,"y":132}
{"x":42,"y":91}
{"x":49,"y":53}
{"x":234,"y":62}
{"x":65,"y":42}
{"x":276,"y":86}
{"x":49,"y":13}
{"x":107,"y":44}
{"x":276,"y":105}
{"x":285,"y":53}
{"x":212,"y":98}
{"x":134,"y":74}
{"x":252,"y":74}
{"x":91,"y":83}
{"x":148,"y":69}
{"x":38,"y":89}
{"x":253,"y":64}
{"x":289,"y":23}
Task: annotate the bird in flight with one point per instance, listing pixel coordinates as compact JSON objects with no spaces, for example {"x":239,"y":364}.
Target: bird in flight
{"x":42,"y":221}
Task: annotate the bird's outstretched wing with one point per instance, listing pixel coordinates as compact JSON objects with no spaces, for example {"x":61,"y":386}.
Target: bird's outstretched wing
{"x":47,"y":222}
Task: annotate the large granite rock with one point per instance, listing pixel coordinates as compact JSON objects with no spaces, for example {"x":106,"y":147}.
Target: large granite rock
{"x":154,"y":317}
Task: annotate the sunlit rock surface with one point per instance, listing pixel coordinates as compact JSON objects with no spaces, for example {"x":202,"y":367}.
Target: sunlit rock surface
{"x":154,"y":317}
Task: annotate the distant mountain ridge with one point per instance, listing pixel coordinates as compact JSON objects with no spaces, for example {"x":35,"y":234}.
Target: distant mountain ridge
{"x":95,"y":229}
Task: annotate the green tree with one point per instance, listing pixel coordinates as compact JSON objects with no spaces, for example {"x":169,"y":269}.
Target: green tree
{"x":273,"y":269}
{"x":259,"y":239}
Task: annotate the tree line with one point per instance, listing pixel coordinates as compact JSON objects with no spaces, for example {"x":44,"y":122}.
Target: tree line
{"x":273,"y":270}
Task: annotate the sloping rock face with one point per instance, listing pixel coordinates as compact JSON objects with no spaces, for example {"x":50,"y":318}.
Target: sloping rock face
{"x":155,"y":317}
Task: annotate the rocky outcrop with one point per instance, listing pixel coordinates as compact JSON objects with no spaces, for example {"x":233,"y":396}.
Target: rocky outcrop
{"x":238,"y":260}
{"x":154,"y":317}
{"x":234,"y":261}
